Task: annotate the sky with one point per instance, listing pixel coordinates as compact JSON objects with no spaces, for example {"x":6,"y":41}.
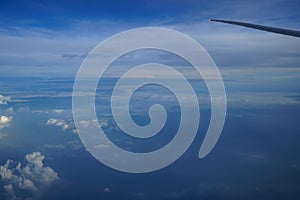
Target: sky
{"x":43,"y":44}
{"x":61,"y":34}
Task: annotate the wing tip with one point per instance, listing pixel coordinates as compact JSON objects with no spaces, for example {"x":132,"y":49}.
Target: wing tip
{"x":216,"y":20}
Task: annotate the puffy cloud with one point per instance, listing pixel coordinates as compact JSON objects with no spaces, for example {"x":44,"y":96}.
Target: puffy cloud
{"x":59,"y":123}
{"x":5,"y":121}
{"x":4,"y":100}
{"x":27,"y":181}
{"x":35,"y":158}
{"x":58,"y":110}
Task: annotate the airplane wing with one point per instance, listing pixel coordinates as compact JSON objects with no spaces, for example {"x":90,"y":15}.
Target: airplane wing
{"x":282,"y":31}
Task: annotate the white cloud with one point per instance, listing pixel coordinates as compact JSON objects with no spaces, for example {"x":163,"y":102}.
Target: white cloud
{"x":5,"y":121}
{"x":30,"y":179}
{"x":59,"y":123}
{"x":35,"y":158}
{"x":58,"y":110}
{"x":4,"y":99}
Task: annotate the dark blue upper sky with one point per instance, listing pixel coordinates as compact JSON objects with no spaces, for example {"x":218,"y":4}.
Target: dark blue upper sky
{"x":60,"y":14}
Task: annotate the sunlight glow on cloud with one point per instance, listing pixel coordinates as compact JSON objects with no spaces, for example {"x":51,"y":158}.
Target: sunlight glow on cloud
{"x":5,"y":121}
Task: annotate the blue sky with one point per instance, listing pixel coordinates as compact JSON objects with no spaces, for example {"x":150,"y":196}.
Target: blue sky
{"x":60,"y":14}
{"x":42,"y":45}
{"x":39,"y":37}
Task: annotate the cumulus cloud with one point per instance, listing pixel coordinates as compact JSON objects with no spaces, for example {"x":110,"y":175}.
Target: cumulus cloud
{"x":4,"y":99}
{"x":59,"y":123}
{"x":58,"y":110}
{"x":29,"y":180}
{"x":5,"y":121}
